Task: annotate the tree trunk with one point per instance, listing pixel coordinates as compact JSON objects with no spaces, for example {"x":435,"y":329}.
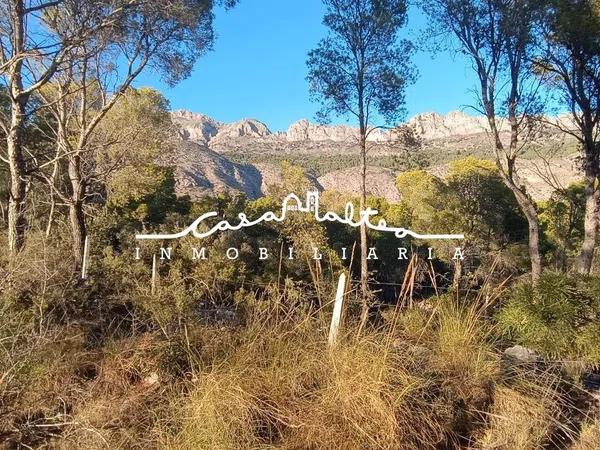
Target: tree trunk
{"x":560,"y":259}
{"x":53,"y":178}
{"x":592,"y":198}
{"x":3,"y":210}
{"x":528,"y":209}
{"x":14,"y":140}
{"x":16,"y":163}
{"x":78,"y":232}
{"x":513,"y":181}
{"x":76,"y":215}
{"x":592,"y":212}
{"x":534,"y":238}
{"x":364,"y":268}
{"x":50,"y":215}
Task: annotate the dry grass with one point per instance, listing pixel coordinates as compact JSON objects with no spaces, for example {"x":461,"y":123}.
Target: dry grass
{"x":282,"y":387}
{"x":519,"y":420}
{"x":57,"y":391}
{"x":286,"y":389}
{"x":424,"y":379}
{"x":589,"y":438}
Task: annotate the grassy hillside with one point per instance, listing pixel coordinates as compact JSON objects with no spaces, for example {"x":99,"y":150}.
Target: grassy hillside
{"x":399,"y":159}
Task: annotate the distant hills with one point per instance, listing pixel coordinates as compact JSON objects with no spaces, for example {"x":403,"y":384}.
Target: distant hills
{"x":203,"y":129}
{"x":245,"y":156}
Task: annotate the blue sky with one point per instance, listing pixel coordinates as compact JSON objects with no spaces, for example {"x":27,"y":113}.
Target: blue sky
{"x":258,"y":67}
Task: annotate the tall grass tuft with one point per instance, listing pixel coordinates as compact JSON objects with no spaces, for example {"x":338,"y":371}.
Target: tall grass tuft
{"x":284,"y":387}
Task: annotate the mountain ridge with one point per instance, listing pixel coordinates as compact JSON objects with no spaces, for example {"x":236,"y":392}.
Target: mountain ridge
{"x":429,"y":125}
{"x":245,"y":155}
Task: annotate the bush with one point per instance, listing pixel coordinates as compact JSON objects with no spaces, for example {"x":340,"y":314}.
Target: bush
{"x":280,"y":386}
{"x":423,"y":379}
{"x":558,"y":316}
{"x":589,"y":437}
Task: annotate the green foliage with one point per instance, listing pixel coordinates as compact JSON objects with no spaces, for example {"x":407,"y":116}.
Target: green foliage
{"x":153,"y":206}
{"x":401,"y":160}
{"x":425,"y":197}
{"x":487,"y":209}
{"x":140,"y":129}
{"x":293,"y":180}
{"x":300,"y":231}
{"x":558,"y":316}
{"x":567,"y":25}
{"x":320,"y":164}
{"x":561,"y":219}
{"x":386,"y":266}
{"x":140,"y":193}
{"x":471,"y":200}
{"x":424,"y":194}
{"x":356,"y":76}
{"x":187,"y":282}
{"x":175,"y":297}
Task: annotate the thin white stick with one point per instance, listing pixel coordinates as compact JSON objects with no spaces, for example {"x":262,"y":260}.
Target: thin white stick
{"x":85,"y":260}
{"x":337,"y":310}
{"x":153,"y":274}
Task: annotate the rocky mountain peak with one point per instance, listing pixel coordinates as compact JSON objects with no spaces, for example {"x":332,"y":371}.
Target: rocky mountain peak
{"x":244,"y":128}
{"x":196,"y":127}
{"x":455,"y":123}
{"x":303,"y":130}
{"x":245,"y":156}
{"x":430,"y":126}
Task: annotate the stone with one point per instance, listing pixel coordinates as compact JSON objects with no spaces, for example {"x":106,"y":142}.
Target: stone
{"x":243,"y":128}
{"x":303,"y":130}
{"x":195,"y":127}
{"x":151,"y":379}
{"x":522,"y":354}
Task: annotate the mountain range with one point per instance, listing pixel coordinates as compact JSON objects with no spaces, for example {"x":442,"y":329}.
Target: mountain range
{"x":245,"y":156}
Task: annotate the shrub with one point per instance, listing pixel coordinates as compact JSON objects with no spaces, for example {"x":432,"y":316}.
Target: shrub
{"x":39,"y":281}
{"x":558,"y":316}
{"x":284,"y":388}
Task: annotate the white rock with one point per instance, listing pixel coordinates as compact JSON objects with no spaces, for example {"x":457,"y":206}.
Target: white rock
{"x":522,"y":354}
{"x":151,"y":379}
{"x":243,"y":128}
{"x":303,"y":130}
{"x":455,"y":123}
{"x":196,"y":127}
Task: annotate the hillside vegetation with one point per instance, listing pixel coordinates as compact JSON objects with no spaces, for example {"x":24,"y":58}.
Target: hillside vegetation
{"x":234,"y":354}
{"x":169,"y":281}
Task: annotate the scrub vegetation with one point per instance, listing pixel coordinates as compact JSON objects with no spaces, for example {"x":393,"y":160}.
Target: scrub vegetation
{"x":106,"y":343}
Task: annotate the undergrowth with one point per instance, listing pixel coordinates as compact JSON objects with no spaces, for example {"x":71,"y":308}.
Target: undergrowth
{"x":431,"y":376}
{"x":275,"y":383}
